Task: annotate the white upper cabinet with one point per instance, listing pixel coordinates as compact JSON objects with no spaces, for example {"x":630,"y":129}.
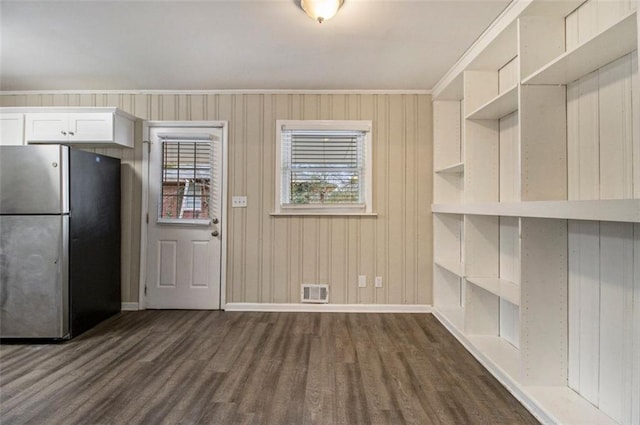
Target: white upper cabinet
{"x":96,"y":127}
{"x":11,"y":129}
{"x":72,"y":127}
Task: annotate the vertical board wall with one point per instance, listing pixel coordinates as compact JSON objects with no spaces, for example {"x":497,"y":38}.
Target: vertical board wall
{"x":603,"y":149}
{"x":269,"y":257}
{"x":604,"y":281}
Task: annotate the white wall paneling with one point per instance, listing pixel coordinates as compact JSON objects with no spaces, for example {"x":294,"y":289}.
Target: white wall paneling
{"x":510,"y":271}
{"x":593,"y":17}
{"x":583,"y":141}
{"x":602,"y":131}
{"x":448,"y":239}
{"x":584,"y":308}
{"x":510,"y":322}
{"x":482,"y":311}
{"x":481,"y":176}
{"x":481,"y":247}
{"x":616,"y":315}
{"x":447,"y":155}
{"x":616,"y":149}
{"x":449,"y":265}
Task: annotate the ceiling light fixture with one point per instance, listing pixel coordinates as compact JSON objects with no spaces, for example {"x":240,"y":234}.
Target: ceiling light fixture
{"x":321,"y":10}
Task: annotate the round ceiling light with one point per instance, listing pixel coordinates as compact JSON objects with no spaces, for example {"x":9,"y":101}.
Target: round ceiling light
{"x":321,"y":10}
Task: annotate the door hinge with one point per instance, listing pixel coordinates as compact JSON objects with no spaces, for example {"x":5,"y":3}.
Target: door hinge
{"x":145,"y":289}
{"x":147,"y":218}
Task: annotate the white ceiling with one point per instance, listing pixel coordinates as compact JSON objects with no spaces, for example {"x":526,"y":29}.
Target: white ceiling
{"x":218,"y":45}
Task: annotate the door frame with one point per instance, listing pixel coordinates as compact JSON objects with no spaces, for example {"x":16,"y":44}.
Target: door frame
{"x":146,"y":147}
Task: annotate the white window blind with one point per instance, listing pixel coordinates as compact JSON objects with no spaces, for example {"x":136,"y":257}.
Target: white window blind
{"x":186,"y":178}
{"x":323,"y":167}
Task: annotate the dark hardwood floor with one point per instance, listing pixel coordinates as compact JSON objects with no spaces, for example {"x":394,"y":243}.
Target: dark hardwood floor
{"x":200,"y":367}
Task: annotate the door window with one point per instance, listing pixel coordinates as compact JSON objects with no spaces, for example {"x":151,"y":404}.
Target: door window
{"x":186,"y":181}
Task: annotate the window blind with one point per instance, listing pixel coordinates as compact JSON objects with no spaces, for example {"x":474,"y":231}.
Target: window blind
{"x":186,"y":177}
{"x":322,"y":167}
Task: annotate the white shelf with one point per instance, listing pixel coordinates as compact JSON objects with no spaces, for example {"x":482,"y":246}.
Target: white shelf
{"x":559,"y":405}
{"x":452,"y":169}
{"x":499,"y":352}
{"x":454,"y":316}
{"x":605,"y":47}
{"x":502,"y":288}
{"x":623,"y":210}
{"x":452,"y":266}
{"x":498,"y":107}
{"x":567,"y":407}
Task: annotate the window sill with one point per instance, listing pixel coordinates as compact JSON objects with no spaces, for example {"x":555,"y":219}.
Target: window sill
{"x":321,"y":213}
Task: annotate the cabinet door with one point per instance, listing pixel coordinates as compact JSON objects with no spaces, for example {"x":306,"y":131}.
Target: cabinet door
{"x":46,"y":127}
{"x":90,"y":127}
{"x":11,"y":129}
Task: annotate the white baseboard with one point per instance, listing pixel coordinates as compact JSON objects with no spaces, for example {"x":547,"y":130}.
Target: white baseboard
{"x":330,"y":308}
{"x":130,"y":307}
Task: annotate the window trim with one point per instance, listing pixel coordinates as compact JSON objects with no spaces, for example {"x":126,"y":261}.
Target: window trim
{"x":327,"y":209}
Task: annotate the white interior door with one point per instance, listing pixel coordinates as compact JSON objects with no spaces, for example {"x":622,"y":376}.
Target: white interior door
{"x":185,"y":206}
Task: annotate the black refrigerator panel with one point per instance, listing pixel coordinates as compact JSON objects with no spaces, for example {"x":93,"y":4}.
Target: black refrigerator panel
{"x":94,"y":238}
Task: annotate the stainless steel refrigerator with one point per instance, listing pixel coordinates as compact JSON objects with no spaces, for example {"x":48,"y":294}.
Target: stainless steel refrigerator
{"x":59,"y":241}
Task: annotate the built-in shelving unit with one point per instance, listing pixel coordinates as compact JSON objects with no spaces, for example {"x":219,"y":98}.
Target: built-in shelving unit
{"x":537,"y":207}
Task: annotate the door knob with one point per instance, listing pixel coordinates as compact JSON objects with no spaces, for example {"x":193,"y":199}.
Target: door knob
{"x":215,"y":233}
{"x":215,"y":220}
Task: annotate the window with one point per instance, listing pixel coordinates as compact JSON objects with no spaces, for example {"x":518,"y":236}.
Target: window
{"x":186,"y":179}
{"x":323,"y":167}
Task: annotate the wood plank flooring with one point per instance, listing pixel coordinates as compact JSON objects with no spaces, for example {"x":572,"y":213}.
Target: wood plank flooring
{"x":204,"y":367}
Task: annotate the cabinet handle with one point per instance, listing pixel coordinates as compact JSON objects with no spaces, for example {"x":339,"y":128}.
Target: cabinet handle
{"x":71,"y":133}
{"x":64,"y":133}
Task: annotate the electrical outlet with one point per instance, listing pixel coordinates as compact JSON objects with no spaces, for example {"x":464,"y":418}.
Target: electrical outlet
{"x":362,"y":281}
{"x":239,"y":202}
{"x":378,"y":281}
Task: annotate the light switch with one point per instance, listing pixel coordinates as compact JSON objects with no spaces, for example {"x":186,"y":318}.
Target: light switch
{"x":239,"y":202}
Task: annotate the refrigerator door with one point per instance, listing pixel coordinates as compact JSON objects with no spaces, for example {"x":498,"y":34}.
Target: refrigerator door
{"x":34,"y":179}
{"x":34,"y":294}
